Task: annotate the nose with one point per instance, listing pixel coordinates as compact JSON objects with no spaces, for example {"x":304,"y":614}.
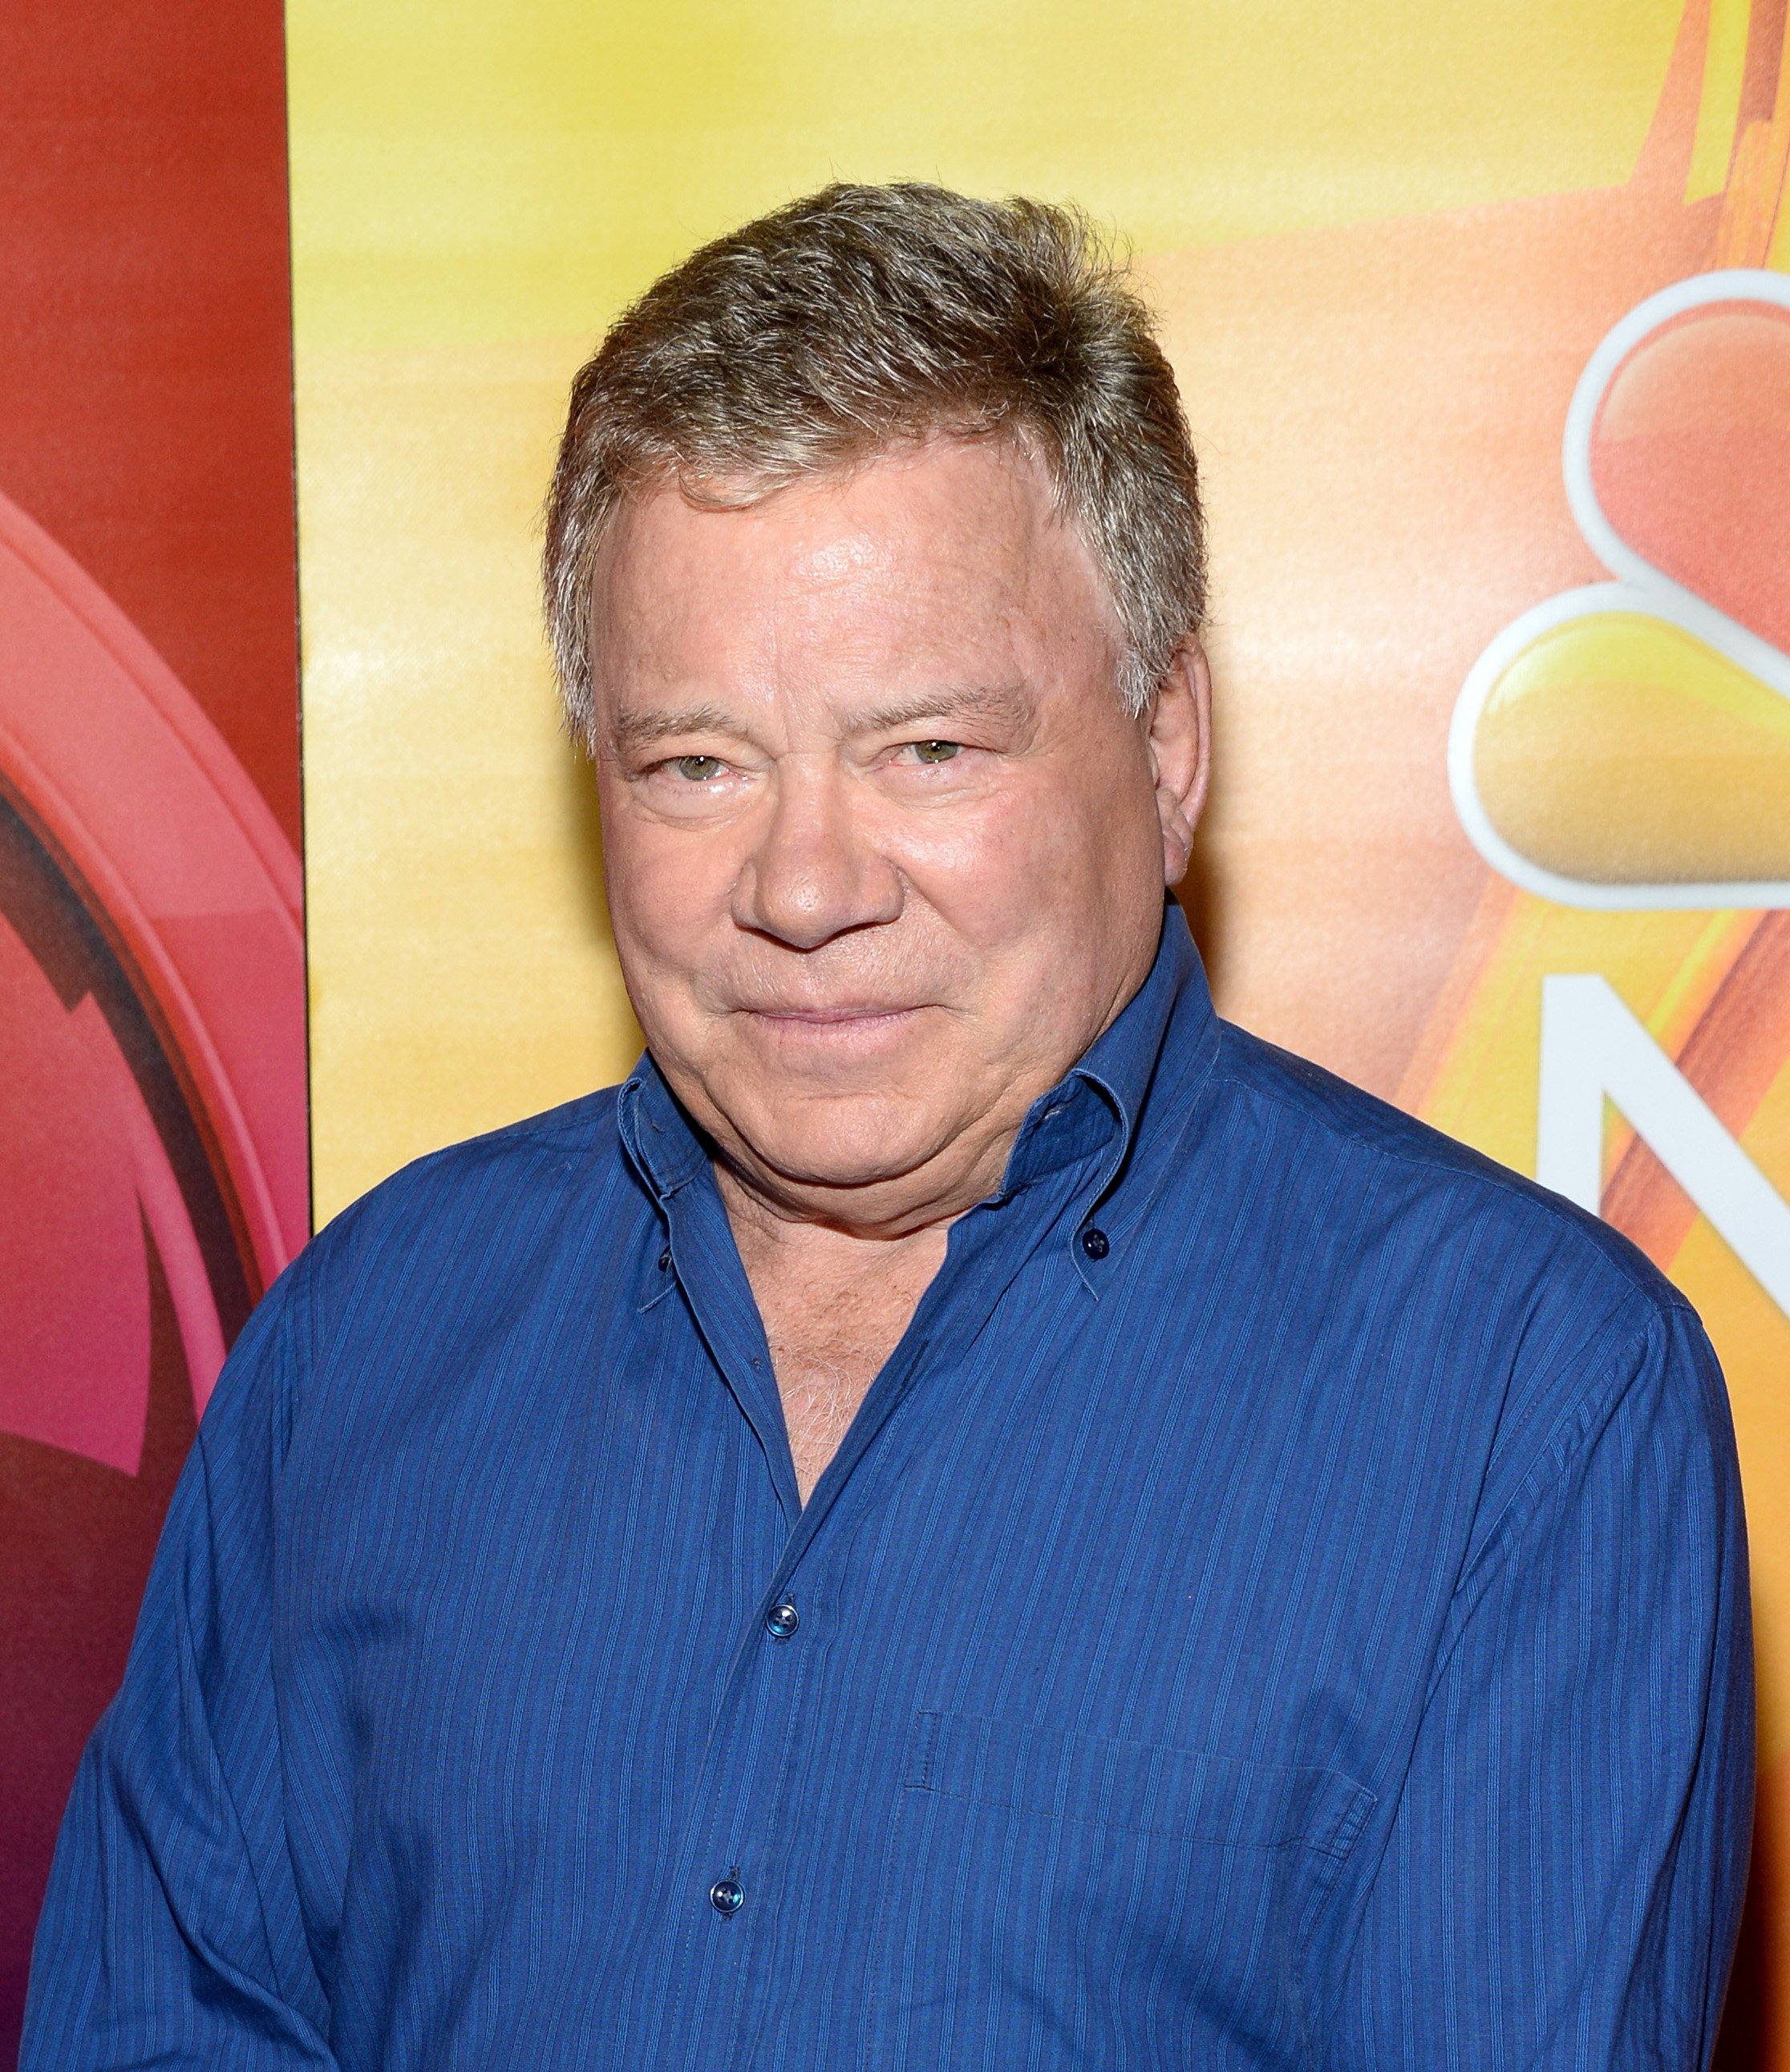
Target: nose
{"x":816,"y":871}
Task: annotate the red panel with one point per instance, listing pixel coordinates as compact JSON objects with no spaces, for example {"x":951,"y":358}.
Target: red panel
{"x":145,"y":417}
{"x":152,"y":1122}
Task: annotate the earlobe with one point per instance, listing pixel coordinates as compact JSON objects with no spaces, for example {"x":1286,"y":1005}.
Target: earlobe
{"x":1179,"y":739}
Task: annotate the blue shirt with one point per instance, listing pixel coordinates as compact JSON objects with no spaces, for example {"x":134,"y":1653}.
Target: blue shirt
{"x":1283,"y":1603}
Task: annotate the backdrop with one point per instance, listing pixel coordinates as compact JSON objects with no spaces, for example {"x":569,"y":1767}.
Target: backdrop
{"x":1501,"y":543}
{"x":152,"y":1062}
{"x":1482,"y":315}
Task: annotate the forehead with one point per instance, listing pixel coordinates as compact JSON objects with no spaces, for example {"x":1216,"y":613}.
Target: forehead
{"x":953,"y":542}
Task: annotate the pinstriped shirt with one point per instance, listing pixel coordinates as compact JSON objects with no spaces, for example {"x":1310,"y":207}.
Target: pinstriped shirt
{"x":1282,"y":1604}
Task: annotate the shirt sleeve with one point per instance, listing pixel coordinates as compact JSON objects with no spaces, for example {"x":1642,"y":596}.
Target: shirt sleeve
{"x":171,"y":1935}
{"x":1562,"y":1881}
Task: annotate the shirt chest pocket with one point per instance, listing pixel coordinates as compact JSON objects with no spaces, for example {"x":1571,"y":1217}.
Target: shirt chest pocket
{"x":1061,"y":1900}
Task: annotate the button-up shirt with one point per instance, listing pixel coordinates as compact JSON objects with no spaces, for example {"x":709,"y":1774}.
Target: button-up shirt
{"x":1282,"y":1603}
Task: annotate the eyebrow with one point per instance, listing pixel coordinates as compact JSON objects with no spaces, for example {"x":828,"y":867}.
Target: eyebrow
{"x":1008,"y":702}
{"x":648,"y":724}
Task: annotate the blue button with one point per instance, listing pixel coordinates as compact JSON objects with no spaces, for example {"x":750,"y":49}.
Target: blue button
{"x":780,"y":1621}
{"x":727,"y":1896}
{"x":1095,"y":1242}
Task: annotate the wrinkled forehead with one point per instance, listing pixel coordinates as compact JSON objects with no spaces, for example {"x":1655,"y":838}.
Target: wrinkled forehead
{"x":945,"y":546}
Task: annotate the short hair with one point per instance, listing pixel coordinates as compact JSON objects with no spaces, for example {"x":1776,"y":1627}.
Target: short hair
{"x":862,"y":318}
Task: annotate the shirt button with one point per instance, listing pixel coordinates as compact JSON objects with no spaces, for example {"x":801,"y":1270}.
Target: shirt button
{"x":780,"y":1621}
{"x":1095,"y":1242}
{"x":727,"y":1896}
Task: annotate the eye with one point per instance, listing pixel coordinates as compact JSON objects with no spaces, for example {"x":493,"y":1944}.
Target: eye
{"x":697,"y":769}
{"x":936,"y":751}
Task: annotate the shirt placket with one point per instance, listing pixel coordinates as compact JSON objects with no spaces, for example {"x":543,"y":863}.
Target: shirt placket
{"x":718,"y":1888}
{"x":728,"y":1884}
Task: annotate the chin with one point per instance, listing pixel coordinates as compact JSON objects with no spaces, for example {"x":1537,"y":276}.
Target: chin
{"x":846,"y":1142}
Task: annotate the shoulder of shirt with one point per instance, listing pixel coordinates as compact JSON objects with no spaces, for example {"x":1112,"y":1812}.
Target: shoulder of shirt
{"x":1594,"y":1325}
{"x":1376,"y":1130}
{"x":472,"y":1200}
{"x":542,"y":1157}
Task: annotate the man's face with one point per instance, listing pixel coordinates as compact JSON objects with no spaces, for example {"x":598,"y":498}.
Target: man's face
{"x":884,"y":852}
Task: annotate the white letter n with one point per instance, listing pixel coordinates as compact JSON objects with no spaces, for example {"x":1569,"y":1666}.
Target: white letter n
{"x":1593,"y":1047}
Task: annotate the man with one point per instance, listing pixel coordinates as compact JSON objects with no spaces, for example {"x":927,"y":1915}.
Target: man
{"x":969,"y":1515}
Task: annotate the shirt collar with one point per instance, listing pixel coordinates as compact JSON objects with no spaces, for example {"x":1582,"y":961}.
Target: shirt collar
{"x":1097,"y":1103}
{"x":657,"y":1136}
{"x":1100,"y":1100}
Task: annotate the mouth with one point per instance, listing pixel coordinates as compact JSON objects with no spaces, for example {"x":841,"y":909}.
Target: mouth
{"x":842,"y":1016}
{"x":845,"y":1020}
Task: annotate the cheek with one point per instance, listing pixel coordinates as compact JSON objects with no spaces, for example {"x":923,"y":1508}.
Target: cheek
{"x":1026,"y":859}
{"x":666,"y":886}
{"x":970,"y":856}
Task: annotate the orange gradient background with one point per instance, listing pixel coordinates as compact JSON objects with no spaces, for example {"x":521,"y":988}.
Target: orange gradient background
{"x":1385,"y":242}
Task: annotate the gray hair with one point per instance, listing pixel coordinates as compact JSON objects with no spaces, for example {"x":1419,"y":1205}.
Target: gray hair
{"x":865,"y":317}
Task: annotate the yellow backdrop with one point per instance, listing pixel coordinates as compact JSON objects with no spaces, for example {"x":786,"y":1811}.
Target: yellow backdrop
{"x":1386,"y":240}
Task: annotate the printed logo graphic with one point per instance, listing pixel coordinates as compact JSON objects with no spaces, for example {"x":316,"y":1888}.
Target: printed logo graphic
{"x":152,"y":1062}
{"x":1627,"y":745}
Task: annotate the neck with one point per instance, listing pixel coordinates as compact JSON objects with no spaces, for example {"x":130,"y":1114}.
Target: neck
{"x":876,"y":1213}
{"x":834,"y":1301}
{"x":766,"y":1227}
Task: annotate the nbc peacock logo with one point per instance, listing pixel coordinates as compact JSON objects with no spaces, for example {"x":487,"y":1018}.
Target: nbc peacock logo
{"x":1626,"y":745}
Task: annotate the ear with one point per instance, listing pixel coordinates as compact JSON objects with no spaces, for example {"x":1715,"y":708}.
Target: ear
{"x":1178,"y":733}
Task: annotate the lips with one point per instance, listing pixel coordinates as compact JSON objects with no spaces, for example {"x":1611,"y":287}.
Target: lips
{"x":841,"y":1030}
{"x":821,"y":1018}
